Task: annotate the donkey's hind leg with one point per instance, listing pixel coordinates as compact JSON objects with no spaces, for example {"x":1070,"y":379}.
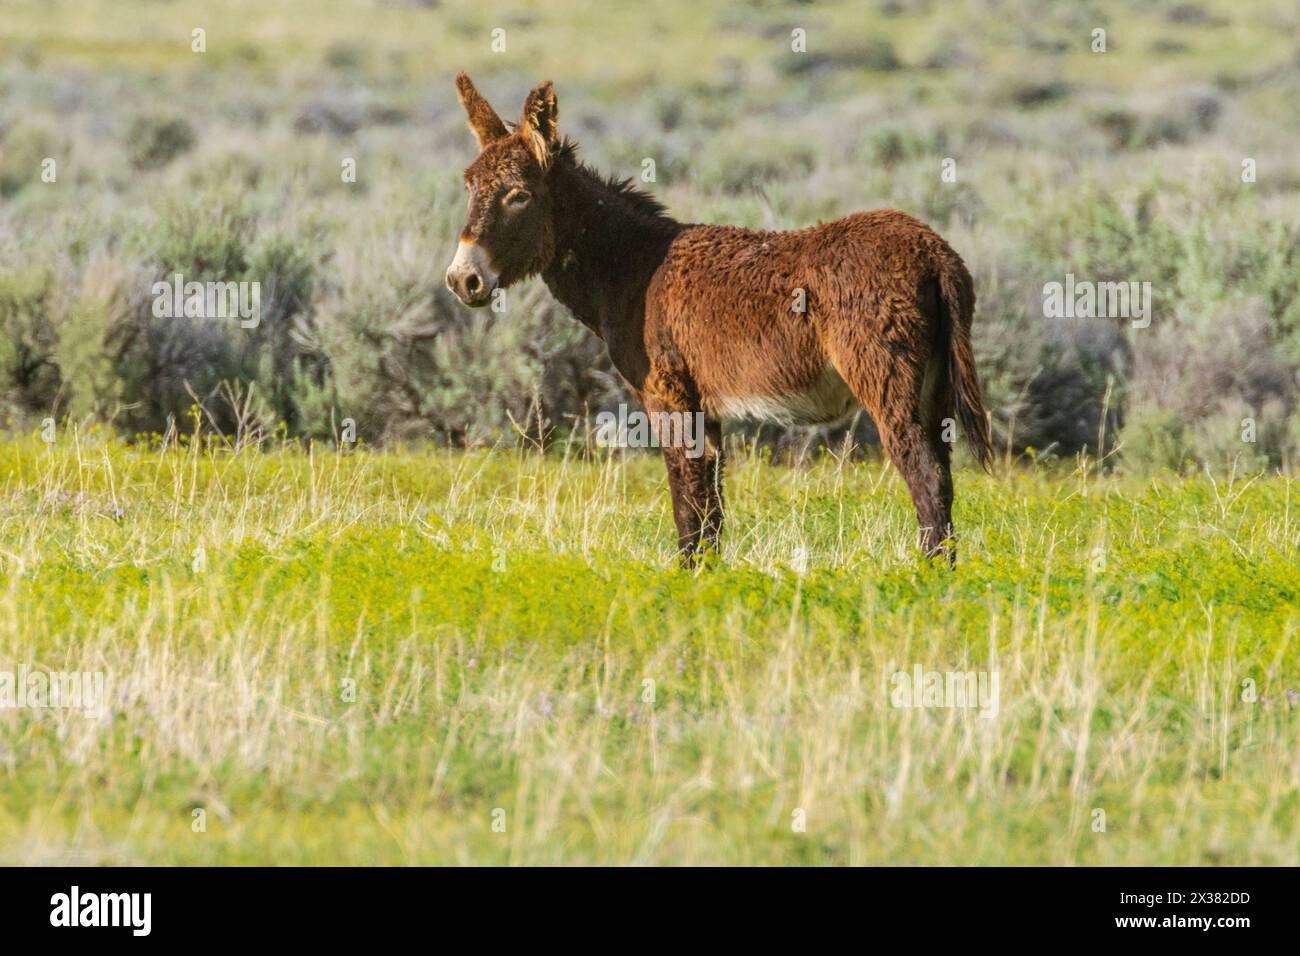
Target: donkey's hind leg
{"x":940,"y":429}
{"x":903,"y":389}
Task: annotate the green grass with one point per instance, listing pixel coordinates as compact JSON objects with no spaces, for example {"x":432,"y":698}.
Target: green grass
{"x":500,"y":615}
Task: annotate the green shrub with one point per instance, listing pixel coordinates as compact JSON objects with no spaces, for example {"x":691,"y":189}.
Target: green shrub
{"x":84,"y":349}
{"x":29,"y":379}
{"x":153,"y":141}
{"x":23,"y":150}
{"x":1153,"y":439}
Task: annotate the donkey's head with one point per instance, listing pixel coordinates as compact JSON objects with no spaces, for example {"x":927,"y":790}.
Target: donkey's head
{"x":509,"y":233}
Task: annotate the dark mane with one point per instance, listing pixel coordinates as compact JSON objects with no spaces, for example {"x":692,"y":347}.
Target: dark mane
{"x":634,"y":200}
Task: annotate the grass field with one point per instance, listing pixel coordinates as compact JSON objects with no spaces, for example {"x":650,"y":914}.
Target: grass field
{"x":443,"y":657}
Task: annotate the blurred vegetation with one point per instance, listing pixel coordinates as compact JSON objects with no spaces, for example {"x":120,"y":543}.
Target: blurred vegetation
{"x":228,"y":165}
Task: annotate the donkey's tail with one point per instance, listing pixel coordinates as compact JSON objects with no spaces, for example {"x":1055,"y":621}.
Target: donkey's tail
{"x":957,"y":294}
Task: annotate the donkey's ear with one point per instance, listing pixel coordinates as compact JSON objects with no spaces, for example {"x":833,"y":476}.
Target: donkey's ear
{"x":483,"y":119}
{"x":541,"y":123}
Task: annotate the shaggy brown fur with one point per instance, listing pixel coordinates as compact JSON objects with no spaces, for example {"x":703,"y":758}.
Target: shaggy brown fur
{"x":701,"y":318}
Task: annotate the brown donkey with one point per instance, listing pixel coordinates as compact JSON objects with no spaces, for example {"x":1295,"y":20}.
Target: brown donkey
{"x":793,"y":327}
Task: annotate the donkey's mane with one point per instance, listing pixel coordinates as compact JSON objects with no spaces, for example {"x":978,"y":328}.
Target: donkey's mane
{"x":634,"y":200}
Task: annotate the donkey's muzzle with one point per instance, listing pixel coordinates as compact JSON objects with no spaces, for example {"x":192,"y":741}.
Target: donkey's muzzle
{"x":470,"y":275}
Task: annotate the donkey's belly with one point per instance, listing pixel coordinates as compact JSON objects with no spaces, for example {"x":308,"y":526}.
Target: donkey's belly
{"x":825,"y":399}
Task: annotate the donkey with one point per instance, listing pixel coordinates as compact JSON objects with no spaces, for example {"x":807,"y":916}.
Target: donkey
{"x":792,"y":327}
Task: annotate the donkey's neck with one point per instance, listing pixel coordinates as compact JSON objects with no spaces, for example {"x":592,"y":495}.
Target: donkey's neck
{"x":609,"y":239}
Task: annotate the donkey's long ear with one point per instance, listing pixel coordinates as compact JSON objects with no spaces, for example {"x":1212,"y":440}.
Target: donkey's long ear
{"x":541,"y":123}
{"x":483,"y":119}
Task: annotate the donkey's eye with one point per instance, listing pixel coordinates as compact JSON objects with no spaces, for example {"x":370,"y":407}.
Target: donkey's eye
{"x":517,"y":197}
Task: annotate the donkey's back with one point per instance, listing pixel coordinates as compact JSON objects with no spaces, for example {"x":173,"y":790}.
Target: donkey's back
{"x":802,"y":326}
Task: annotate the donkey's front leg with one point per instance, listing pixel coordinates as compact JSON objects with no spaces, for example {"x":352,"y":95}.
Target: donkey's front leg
{"x":695,"y":480}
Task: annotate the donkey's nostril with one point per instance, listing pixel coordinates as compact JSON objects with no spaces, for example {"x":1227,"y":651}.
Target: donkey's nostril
{"x":473,"y":283}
